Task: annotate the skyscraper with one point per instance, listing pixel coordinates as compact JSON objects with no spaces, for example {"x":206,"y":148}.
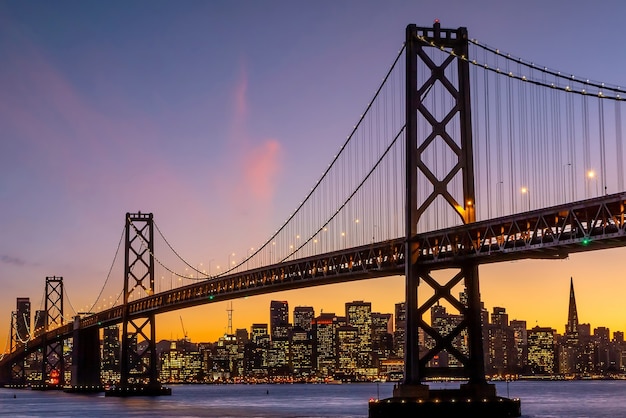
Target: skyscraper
{"x":303,"y":317}
{"x":541,"y":350}
{"x":501,"y":342}
{"x":279,"y":319}
{"x":325,"y":332}
{"x":521,"y":343}
{"x":398,"y":334}
{"x":111,"y":351}
{"x":571,"y":329}
{"x":359,"y":316}
{"x":570,"y":349}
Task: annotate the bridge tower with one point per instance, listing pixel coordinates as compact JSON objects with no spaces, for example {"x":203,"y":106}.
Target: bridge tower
{"x":451,"y":76}
{"x":138,"y":374}
{"x":18,"y":368}
{"x":53,"y":363}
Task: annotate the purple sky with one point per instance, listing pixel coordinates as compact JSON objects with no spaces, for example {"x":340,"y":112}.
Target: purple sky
{"x":216,"y":116}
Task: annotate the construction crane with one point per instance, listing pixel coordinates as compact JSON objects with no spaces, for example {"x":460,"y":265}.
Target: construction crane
{"x":183,"y":325}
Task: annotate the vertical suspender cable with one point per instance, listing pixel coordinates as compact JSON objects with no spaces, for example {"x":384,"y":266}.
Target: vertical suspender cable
{"x":586,"y":143}
{"x":618,"y":140}
{"x":487,"y":137}
{"x":602,"y":147}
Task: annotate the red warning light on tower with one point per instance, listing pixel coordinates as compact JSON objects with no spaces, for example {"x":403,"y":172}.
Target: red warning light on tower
{"x":54,"y":377}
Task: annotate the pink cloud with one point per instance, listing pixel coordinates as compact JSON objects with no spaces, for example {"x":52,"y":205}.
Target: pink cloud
{"x":261,"y":169}
{"x":259,"y":163}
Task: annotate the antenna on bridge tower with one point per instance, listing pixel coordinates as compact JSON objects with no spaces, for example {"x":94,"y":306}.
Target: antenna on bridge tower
{"x":230,"y":318}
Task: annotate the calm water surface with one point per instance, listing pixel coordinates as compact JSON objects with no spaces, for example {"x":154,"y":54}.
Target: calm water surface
{"x":570,"y":399}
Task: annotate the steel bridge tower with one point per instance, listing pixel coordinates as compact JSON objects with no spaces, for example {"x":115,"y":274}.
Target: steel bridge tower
{"x":53,"y":363}
{"x":412,"y":396}
{"x":138,"y":374}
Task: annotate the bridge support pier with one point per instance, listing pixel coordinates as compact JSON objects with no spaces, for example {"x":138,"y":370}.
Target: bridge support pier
{"x":13,"y":375}
{"x":85,"y":360}
{"x":476,"y":397}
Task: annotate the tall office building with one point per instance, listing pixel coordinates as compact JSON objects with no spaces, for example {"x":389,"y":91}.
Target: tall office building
{"x":303,"y":317}
{"x":541,"y":350}
{"x":501,"y":343}
{"x":569,"y":351}
{"x":22,"y":327}
{"x":359,"y":316}
{"x":325,"y":333}
{"x":382,"y":335}
{"x":602,"y":342}
{"x":301,"y":352}
{"x":111,"y":351}
{"x":521,"y":343}
{"x":398,"y":334}
{"x":258,"y":332}
{"x":571,"y":328}
{"x":255,"y":356}
{"x":348,"y":350}
{"x":279,"y":319}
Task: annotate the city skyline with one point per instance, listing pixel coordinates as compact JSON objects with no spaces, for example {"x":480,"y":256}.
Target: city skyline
{"x":112,"y":114}
{"x":557,"y":328}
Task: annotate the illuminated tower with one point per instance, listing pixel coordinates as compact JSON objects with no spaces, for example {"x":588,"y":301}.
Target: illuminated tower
{"x":571,"y":329}
{"x":303,"y":317}
{"x":279,"y":319}
{"x":359,"y":315}
{"x":570,"y":350}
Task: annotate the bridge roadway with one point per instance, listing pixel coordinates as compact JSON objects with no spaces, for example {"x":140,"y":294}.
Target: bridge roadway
{"x":550,"y":233}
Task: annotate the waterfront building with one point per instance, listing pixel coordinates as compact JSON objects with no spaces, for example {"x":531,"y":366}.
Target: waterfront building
{"x":255,"y":352}
{"x":399,"y":331}
{"x":111,"y":351}
{"x":501,"y":344}
{"x":278,"y":363}
{"x":520,"y":336}
{"x":348,"y":349}
{"x":223,"y":358}
{"x":303,"y":317}
{"x":301,"y":356}
{"x":359,"y":316}
{"x":279,"y":319}
{"x":180,"y":366}
{"x":325,"y":333}
{"x":542,"y":351}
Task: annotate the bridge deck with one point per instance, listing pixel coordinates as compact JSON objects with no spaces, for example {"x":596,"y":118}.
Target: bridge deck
{"x":550,"y":233}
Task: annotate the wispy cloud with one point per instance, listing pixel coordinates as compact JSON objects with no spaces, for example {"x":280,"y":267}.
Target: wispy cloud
{"x":15,"y":261}
{"x":259,"y":159}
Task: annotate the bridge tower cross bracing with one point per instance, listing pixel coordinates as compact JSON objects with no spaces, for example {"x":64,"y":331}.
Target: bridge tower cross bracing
{"x":139,"y":357}
{"x":18,"y":368}
{"x":138,"y":366}
{"x":53,"y":362}
{"x":457,"y":85}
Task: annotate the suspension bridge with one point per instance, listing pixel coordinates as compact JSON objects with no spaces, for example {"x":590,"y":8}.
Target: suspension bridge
{"x":466,"y":155}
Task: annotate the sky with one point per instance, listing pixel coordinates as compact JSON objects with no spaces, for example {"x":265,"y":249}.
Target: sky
{"x":219,"y":116}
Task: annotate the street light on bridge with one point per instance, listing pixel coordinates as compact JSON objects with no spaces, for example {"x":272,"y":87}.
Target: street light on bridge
{"x":526,"y":192}
{"x":591,"y":176}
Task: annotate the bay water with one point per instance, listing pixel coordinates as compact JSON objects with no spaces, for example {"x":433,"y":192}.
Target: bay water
{"x":541,"y":399}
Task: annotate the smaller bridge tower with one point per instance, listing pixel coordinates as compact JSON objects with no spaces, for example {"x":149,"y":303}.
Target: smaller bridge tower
{"x":52,"y":363}
{"x":138,"y":374}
